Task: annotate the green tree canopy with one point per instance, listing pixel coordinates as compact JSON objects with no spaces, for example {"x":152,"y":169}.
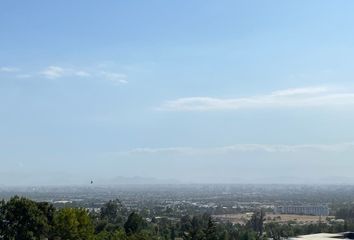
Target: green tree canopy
{"x":73,"y":224}
{"x":134,"y":224}
{"x":24,"y":219}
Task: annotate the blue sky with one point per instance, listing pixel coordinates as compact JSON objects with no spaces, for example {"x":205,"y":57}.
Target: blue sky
{"x":197,"y":91}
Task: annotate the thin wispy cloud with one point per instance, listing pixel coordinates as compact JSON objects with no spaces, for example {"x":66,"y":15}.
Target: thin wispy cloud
{"x":22,"y":76}
{"x":53,"y":72}
{"x":238,"y":148}
{"x":288,"y":98}
{"x":57,"y":72}
{"x":116,"y":78}
{"x":9,"y":69}
{"x":301,"y":91}
{"x":81,"y":73}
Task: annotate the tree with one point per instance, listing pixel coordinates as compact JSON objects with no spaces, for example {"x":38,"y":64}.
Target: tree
{"x":73,"y":224}
{"x":114,"y":212}
{"x":256,"y":223}
{"x":195,"y":228}
{"x":3,"y":222}
{"x":134,"y":224}
{"x":117,"y":235}
{"x":210,"y":232}
{"x":172,"y":233}
{"x":275,"y":231}
{"x":23,"y":219}
{"x":48,"y":211}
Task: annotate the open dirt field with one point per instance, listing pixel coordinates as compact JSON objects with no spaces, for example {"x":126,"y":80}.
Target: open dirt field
{"x":279,"y":218}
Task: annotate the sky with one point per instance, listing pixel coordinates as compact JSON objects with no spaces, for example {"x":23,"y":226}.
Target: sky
{"x":194,"y":91}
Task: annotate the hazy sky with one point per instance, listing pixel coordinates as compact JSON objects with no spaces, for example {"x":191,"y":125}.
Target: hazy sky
{"x":198,"y":91}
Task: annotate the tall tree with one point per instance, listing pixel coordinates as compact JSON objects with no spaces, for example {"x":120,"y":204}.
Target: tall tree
{"x":257,"y":222}
{"x":73,"y":224}
{"x":23,"y":219}
{"x":134,"y":224}
{"x":210,"y":232}
{"x":114,"y":212}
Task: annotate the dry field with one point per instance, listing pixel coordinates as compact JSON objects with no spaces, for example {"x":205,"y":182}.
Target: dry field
{"x":279,"y":218}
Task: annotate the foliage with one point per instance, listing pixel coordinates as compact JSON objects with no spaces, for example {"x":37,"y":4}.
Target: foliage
{"x":73,"y":224}
{"x":23,"y":219}
{"x":211,"y":232}
{"x":256,"y":223}
{"x":134,"y":224}
{"x":114,"y":212}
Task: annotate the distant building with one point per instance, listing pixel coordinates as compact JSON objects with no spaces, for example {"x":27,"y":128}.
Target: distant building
{"x":303,"y":210}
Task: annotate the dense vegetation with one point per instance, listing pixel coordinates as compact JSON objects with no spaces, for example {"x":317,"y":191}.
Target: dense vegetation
{"x":24,"y":219}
